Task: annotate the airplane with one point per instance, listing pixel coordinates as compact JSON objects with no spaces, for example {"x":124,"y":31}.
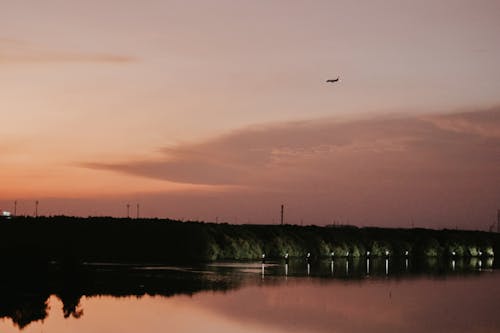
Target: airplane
{"x":333,"y":80}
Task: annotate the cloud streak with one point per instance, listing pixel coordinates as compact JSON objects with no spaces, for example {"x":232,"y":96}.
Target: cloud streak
{"x":20,"y":52}
{"x":391,"y":147}
{"x":485,"y":123}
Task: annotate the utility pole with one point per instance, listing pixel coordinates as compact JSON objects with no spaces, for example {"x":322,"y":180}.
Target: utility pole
{"x":36,"y":208}
{"x":15,"y":207}
{"x":137,"y":210}
{"x":498,"y":221}
{"x":282,"y":211}
{"x":128,"y":210}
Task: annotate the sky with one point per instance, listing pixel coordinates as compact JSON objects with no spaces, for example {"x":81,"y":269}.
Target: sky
{"x":219,"y":110}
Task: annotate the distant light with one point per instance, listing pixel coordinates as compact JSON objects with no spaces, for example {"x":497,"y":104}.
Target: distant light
{"x":367,"y":253}
{"x":347,"y":254}
{"x":6,"y":214}
{"x":386,"y":252}
{"x":480,"y":253}
{"x":453,"y":253}
{"x":406,"y":253}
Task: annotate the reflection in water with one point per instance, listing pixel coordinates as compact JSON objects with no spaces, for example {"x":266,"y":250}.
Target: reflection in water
{"x":489,"y":263}
{"x":25,"y":301}
{"x":24,"y":290}
{"x":360,"y":268}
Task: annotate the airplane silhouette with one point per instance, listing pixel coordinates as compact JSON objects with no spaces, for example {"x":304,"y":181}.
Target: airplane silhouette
{"x":333,"y":80}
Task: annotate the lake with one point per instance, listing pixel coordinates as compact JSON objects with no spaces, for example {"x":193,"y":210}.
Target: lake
{"x":376,"y":295}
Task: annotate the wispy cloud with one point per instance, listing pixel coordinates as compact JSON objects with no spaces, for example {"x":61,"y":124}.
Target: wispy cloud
{"x":332,"y":152}
{"x":16,"y":51}
{"x":485,"y":123}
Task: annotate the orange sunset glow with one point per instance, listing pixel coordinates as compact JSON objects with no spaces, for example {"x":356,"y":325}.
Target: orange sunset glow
{"x":220,"y":110}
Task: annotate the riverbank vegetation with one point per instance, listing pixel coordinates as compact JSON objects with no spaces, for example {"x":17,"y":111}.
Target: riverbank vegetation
{"x":107,"y":239}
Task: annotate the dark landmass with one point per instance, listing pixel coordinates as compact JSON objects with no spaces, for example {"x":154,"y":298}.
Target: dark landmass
{"x":75,"y":240}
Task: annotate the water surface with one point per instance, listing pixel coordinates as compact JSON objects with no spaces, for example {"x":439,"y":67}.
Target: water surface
{"x":348,"y":296}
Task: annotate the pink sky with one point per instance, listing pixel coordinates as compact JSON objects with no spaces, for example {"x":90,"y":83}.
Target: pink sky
{"x":200,"y":110}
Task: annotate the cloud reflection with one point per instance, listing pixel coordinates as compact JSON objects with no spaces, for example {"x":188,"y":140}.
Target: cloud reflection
{"x":324,"y":306}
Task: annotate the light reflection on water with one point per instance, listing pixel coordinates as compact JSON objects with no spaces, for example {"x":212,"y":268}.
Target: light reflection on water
{"x":372,"y":295}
